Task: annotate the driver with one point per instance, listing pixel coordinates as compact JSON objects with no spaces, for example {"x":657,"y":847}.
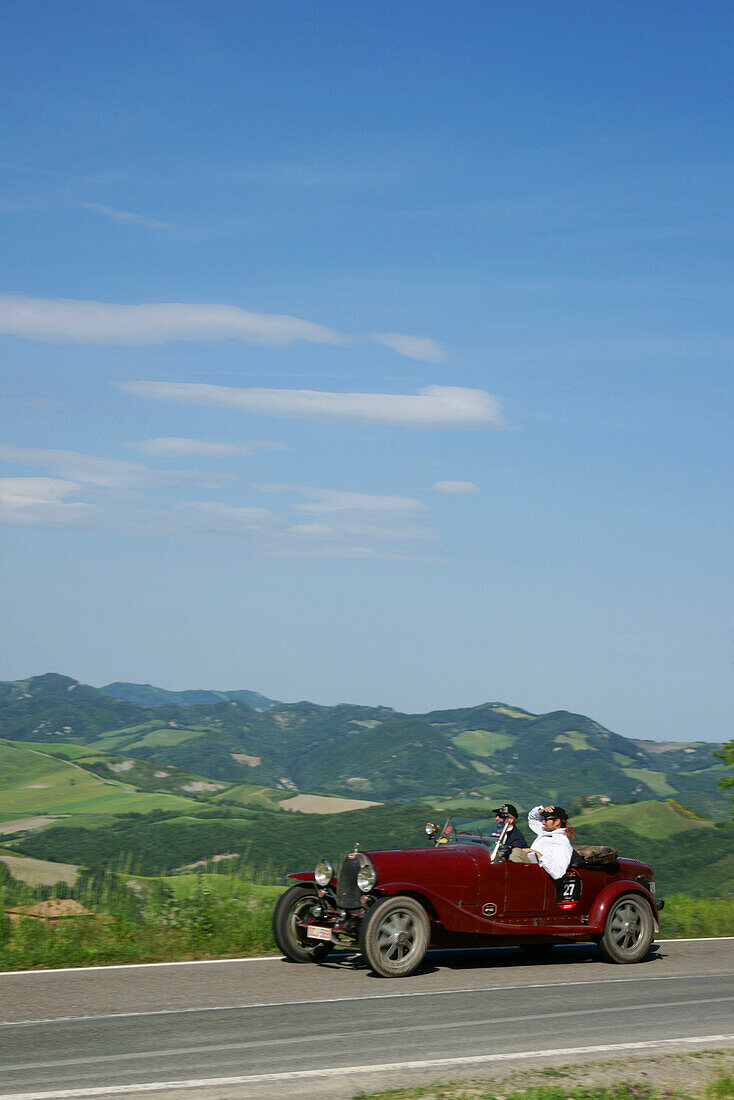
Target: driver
{"x":514,"y":839}
{"x":551,"y":848}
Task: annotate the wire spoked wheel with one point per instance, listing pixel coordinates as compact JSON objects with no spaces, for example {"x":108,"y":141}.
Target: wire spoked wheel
{"x":628,"y":930}
{"x":293,"y":906}
{"x":395,"y":935}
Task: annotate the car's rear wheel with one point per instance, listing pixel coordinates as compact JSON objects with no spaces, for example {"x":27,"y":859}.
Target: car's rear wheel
{"x":293,"y":906}
{"x":394,"y":936}
{"x":628,"y":930}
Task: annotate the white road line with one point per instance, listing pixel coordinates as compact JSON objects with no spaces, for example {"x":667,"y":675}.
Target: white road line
{"x":139,"y":966}
{"x":365,"y":997}
{"x":345,"y":1071}
{"x":344,"y":1034}
{"x":279,"y":958}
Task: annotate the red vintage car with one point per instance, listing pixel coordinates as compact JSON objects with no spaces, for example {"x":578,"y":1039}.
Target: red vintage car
{"x":461,"y":892}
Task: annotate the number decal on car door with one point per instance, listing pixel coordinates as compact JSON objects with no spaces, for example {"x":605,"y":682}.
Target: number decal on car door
{"x":568,"y":890}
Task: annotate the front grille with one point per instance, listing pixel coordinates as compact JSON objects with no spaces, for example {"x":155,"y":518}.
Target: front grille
{"x":348,"y":894}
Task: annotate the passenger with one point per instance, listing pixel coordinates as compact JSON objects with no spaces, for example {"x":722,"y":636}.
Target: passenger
{"x":514,"y":839}
{"x":552,"y":848}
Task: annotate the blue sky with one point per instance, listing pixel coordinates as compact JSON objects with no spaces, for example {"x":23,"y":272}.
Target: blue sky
{"x":377,"y":353}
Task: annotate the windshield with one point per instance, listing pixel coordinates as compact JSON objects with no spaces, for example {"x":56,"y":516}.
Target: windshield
{"x":470,"y":830}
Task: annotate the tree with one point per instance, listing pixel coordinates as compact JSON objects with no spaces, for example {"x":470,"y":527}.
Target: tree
{"x":727,"y":755}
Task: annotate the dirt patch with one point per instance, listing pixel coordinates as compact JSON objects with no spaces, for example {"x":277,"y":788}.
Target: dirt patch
{"x":323,"y":804}
{"x":23,"y":823}
{"x":243,"y":758}
{"x":123,"y":766}
{"x":211,"y":859}
{"x":53,"y":910}
{"x":39,"y":872}
{"x":195,"y":788}
{"x":38,"y":786}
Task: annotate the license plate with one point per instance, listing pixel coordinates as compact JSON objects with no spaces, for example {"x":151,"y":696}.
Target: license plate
{"x":314,"y":932}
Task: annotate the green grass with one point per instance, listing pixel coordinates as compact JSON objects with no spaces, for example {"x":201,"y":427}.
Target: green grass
{"x":66,"y":751}
{"x":165,"y":737}
{"x":656,"y":781}
{"x":656,"y":820}
{"x":221,"y":884}
{"x":482,"y":742}
{"x":127,"y":926}
{"x":33,"y":783}
{"x":720,"y":1089}
{"x":253,"y":795}
{"x":573,"y":738}
{"x":690,"y":917}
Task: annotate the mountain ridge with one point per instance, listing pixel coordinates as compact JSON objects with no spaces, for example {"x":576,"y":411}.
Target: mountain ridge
{"x":148,"y":695}
{"x":378,"y":753}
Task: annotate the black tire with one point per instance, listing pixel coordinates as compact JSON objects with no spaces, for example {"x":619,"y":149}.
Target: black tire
{"x":293,"y":905}
{"x":394,"y":936}
{"x":628,"y":930}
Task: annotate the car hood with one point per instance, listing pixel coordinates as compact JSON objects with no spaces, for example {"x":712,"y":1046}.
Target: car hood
{"x":459,"y":863}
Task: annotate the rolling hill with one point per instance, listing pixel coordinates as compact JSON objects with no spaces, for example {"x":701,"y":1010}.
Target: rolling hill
{"x":490,"y":751}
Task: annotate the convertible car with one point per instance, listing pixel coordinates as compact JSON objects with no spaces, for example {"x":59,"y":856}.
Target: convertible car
{"x":461,"y":891}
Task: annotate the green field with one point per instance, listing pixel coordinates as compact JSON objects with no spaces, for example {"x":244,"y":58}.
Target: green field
{"x":65,"y":750}
{"x":656,"y":820}
{"x":165,"y":737}
{"x":482,"y":742}
{"x":254,"y":795}
{"x":33,"y":783}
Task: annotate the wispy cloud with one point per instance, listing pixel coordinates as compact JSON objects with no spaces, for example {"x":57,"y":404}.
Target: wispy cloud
{"x":79,"y":322}
{"x":108,"y":473}
{"x":422,"y":348}
{"x":65,"y":320}
{"x":337,"y":500}
{"x":175,"y":447}
{"x":252,"y":518}
{"x":35,"y":500}
{"x":406,"y":532}
{"x":431,"y":407}
{"x":455,"y":487}
{"x":126,"y":216}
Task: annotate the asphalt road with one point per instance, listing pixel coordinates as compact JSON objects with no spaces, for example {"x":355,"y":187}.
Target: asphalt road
{"x":245,"y":1028}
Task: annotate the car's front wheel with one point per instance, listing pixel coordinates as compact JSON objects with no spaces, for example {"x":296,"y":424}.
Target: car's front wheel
{"x":293,"y":906}
{"x":394,"y":936}
{"x":628,"y":930}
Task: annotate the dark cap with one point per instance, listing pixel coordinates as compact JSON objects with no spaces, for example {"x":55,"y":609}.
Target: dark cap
{"x":506,"y":810}
{"x":556,"y":811}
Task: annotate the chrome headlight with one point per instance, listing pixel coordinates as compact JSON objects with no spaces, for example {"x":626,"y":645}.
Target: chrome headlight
{"x":324,"y":872}
{"x":366,"y":878}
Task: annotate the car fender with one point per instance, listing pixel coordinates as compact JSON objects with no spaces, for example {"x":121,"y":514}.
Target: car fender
{"x":302,"y":876}
{"x":454,"y":918}
{"x":606,"y":898}
{"x":309,"y":876}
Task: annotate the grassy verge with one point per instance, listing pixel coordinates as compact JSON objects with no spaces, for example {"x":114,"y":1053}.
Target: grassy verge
{"x":127,"y":925}
{"x":668,"y":1078}
{"x":722,"y":1088}
{"x":685,"y":916}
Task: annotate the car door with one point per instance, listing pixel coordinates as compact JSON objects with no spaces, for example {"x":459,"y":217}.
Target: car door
{"x":526,"y":889}
{"x":510,"y":889}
